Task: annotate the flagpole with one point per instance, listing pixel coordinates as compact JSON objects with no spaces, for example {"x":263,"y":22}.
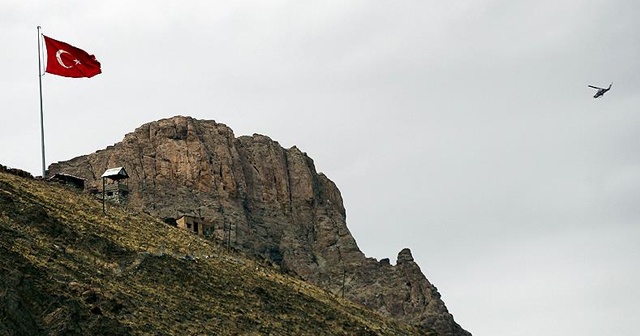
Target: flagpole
{"x":41,"y":110}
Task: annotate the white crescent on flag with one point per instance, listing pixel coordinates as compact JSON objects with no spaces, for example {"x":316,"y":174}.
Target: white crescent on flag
{"x":58,"y":56}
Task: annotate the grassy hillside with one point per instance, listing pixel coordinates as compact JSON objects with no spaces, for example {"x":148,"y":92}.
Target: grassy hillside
{"x":66,"y":268}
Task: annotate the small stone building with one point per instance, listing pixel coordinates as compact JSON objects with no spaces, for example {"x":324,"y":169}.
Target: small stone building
{"x":194,"y":224}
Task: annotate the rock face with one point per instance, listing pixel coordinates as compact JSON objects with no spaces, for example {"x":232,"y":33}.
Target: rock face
{"x":267,"y":201}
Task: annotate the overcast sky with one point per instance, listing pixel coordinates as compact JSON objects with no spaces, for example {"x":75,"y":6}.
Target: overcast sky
{"x":463,"y":130}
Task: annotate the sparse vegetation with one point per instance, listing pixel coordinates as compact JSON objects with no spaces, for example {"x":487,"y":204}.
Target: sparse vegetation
{"x":67,"y":268}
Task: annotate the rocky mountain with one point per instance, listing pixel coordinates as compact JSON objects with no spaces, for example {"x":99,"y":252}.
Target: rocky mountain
{"x":67,"y":268}
{"x":267,"y":201}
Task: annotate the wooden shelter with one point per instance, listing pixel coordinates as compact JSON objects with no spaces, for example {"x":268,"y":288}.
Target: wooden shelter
{"x":117,"y":189}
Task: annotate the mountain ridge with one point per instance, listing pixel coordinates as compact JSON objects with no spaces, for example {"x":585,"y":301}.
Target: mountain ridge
{"x":66,"y":268}
{"x":267,"y":201}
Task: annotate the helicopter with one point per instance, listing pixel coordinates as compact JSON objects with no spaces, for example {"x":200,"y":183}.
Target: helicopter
{"x":601,"y":91}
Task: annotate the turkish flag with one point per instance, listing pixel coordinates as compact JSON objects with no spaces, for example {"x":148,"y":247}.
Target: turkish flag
{"x":66,"y":60}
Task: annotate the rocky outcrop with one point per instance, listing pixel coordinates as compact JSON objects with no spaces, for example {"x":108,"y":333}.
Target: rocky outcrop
{"x":265,"y":200}
{"x":15,"y":171}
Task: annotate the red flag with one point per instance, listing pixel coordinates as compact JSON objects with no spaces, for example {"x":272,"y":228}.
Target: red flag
{"x":66,"y":60}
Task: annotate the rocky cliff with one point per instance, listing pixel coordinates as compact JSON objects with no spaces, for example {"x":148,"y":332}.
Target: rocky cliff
{"x":265,"y":200}
{"x":67,"y":269}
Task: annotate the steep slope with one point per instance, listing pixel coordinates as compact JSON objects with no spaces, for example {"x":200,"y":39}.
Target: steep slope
{"x":68,"y":269}
{"x":267,"y":201}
